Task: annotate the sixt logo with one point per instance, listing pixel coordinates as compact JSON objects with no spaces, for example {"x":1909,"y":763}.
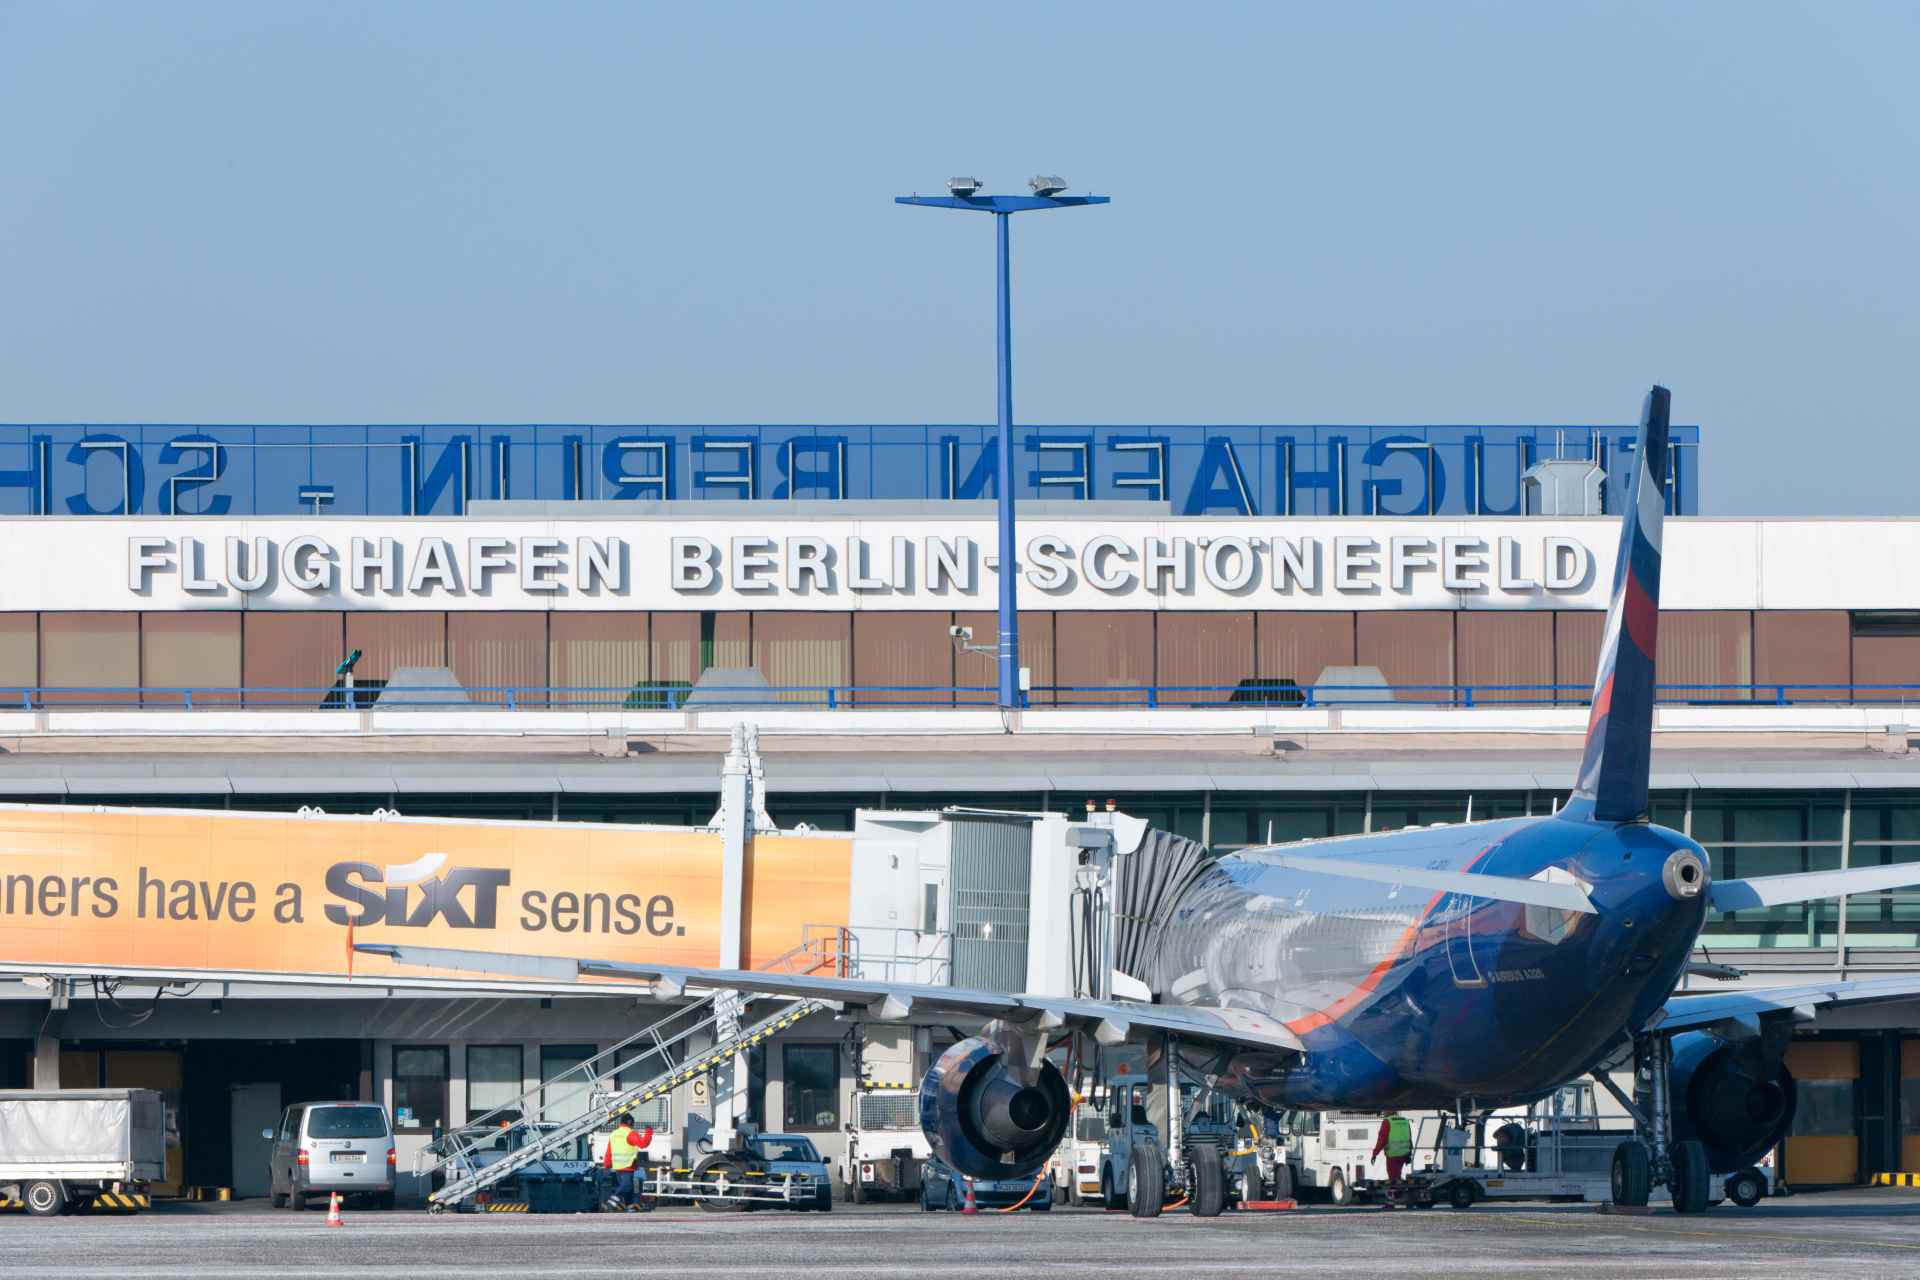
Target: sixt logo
{"x":439,"y":896}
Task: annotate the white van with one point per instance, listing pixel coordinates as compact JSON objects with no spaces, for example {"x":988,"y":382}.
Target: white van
{"x":323,"y":1147}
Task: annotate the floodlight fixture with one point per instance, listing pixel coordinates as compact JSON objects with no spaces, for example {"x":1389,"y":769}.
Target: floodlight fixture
{"x":963,"y":187}
{"x":1046,"y":184}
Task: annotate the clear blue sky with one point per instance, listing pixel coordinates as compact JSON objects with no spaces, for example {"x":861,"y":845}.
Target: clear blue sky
{"x":682,"y":212}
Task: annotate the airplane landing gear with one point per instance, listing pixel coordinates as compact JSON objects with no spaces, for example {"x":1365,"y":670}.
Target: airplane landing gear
{"x":1652,"y":1159}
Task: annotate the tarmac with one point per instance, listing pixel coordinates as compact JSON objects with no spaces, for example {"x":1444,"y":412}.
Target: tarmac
{"x":1870,"y":1232}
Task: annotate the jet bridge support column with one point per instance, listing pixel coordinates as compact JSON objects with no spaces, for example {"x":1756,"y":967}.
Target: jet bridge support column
{"x":742,"y":812}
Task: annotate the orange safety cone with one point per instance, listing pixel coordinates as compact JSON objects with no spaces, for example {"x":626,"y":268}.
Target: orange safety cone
{"x":333,"y":1211}
{"x":970,"y":1206}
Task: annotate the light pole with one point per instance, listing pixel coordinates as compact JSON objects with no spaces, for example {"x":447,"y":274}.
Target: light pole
{"x":966,"y":195}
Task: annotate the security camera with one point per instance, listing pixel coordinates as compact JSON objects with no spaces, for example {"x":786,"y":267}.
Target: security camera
{"x":960,"y":633}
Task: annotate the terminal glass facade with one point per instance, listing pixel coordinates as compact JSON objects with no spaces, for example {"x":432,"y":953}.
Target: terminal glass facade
{"x":648,"y":659}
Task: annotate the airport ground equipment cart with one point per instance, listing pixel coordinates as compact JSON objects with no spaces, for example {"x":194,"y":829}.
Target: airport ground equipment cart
{"x":66,"y":1150}
{"x":886,"y":1149}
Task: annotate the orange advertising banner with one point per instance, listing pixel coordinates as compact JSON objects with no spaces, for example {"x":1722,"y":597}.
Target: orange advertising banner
{"x":184,"y":889}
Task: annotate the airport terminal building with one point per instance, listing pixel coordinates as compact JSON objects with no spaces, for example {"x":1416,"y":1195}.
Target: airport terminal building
{"x":1280,"y":636}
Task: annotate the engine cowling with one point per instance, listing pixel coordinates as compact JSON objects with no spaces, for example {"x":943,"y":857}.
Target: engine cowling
{"x":1732,"y":1096}
{"x":983,"y":1120}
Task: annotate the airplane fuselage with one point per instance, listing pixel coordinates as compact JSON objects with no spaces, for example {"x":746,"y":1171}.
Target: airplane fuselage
{"x":1410,"y":998}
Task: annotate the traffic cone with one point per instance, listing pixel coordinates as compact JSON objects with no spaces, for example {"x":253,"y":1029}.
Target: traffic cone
{"x":333,"y":1211}
{"x":970,"y":1206}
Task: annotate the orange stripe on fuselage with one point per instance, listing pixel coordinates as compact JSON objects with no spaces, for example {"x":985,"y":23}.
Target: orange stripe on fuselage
{"x":1403,"y":946}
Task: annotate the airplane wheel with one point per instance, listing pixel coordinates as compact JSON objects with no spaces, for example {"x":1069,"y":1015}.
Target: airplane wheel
{"x":1632,"y":1178}
{"x":1339,"y":1190}
{"x":1146,"y":1181}
{"x":1691,"y":1177}
{"x":1747,"y":1187}
{"x":1209,"y":1195}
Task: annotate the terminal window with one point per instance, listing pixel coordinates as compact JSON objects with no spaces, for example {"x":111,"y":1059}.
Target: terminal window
{"x":812,"y":1086}
{"x":493,"y":1079}
{"x":419,"y":1088}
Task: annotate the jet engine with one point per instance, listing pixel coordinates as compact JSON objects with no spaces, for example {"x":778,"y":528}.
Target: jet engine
{"x":987,"y":1114}
{"x":1732,"y":1095}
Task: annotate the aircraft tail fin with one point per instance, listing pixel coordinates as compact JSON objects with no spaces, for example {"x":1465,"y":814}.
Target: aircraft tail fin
{"x":1612,"y":783}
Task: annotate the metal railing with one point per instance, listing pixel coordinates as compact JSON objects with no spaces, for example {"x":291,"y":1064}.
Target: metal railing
{"x":653,"y":1048}
{"x":679,"y":696}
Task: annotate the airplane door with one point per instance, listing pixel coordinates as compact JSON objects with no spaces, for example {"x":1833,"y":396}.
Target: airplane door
{"x":1466,"y":970}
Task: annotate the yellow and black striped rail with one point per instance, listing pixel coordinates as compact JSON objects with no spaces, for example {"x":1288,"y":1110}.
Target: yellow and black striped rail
{"x":875,"y":1085}
{"x":1896,"y":1179}
{"x":503,"y":1206}
{"x":109,"y":1201}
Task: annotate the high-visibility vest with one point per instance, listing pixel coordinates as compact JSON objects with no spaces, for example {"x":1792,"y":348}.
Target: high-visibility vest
{"x":623,"y":1155}
{"x":1399,"y":1137}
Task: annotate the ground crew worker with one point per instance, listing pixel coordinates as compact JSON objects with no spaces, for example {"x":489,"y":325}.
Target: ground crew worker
{"x":1396,"y":1139}
{"x":626,"y":1148}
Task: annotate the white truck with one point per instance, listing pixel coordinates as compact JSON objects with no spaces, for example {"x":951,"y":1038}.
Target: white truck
{"x":62,"y":1149}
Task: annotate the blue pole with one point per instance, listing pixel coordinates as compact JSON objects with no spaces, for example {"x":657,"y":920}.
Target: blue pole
{"x":1009,"y":581}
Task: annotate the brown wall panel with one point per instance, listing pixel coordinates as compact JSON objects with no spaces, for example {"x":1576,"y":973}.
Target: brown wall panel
{"x":1705,"y":647}
{"x":90,"y":651}
{"x":804,"y":652}
{"x":1211,"y":651}
{"x":1104,"y":649}
{"x":389,"y":641}
{"x":290,"y":651}
{"x":902,"y":649}
{"x":1505,"y":648}
{"x":199,"y":651}
{"x":732,"y":641}
{"x":1299,"y":646}
{"x":977,"y":673}
{"x":19,"y":650}
{"x":601,"y":654}
{"x":1410,"y":648}
{"x":1886,"y":660}
{"x":1811,"y":647}
{"x":1576,"y":652}
{"x":492,"y":652}
{"x":673,"y":646}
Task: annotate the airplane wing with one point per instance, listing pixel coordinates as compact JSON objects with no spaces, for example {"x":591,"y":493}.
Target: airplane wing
{"x":1110,"y":1021}
{"x":1700,"y":1011}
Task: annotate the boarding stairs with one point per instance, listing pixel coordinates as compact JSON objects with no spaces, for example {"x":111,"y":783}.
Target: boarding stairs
{"x":687,"y":1041}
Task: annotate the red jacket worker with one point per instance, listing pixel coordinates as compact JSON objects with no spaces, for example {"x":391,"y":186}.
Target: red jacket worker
{"x":626,"y":1147}
{"x":1396,"y":1139}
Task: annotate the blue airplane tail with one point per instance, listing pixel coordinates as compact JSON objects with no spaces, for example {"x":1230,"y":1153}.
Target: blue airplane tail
{"x":1612,"y":783}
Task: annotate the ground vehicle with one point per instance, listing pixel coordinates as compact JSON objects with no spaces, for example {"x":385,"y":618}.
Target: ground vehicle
{"x":942,"y":1188}
{"x":780,"y":1170}
{"x":885,"y":1149}
{"x":566,"y":1180}
{"x":323,"y":1147}
{"x":789,"y":1153}
{"x":60,"y":1149}
{"x":1330,"y":1154}
{"x":1558,"y":1148}
{"x":1079,"y":1155}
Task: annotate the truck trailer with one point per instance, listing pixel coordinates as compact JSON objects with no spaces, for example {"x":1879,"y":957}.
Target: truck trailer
{"x":61,"y":1149}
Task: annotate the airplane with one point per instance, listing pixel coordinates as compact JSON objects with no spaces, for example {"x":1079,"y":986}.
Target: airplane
{"x":1461,"y":968}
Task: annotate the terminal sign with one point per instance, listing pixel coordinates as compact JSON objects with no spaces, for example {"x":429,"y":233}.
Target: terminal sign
{"x":1067,"y":565}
